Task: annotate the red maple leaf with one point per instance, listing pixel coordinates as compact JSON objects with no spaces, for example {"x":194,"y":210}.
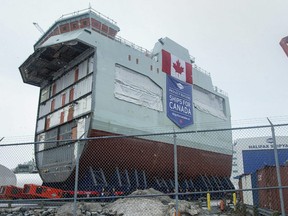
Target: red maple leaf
{"x":178,"y":67}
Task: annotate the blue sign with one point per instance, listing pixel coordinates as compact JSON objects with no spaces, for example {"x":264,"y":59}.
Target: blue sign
{"x":179,"y":102}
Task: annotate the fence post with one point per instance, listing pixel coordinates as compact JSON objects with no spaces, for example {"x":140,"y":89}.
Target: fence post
{"x":208,"y":202}
{"x":175,"y":173}
{"x":76,"y":151}
{"x":234,"y":201}
{"x":277,"y":169}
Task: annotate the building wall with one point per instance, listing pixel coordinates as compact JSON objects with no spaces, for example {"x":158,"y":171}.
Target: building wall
{"x":251,"y":154}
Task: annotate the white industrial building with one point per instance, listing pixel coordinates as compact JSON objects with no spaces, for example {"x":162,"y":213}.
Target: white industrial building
{"x":250,"y":154}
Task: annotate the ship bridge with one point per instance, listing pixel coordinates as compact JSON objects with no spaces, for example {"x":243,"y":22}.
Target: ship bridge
{"x":84,"y":19}
{"x":60,"y":46}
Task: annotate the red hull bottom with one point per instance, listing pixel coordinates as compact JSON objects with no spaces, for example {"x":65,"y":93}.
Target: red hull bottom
{"x":153,"y":157}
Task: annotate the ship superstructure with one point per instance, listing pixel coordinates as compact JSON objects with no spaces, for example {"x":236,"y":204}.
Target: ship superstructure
{"x":94,"y":83}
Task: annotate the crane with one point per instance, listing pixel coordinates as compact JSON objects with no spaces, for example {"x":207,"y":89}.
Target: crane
{"x":284,"y":44}
{"x":39,"y":28}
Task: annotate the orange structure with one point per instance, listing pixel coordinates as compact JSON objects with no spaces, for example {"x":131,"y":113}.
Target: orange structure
{"x":36,"y":191}
{"x":10,"y":192}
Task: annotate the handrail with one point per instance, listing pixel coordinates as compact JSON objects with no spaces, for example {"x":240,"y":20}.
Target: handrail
{"x":116,"y":38}
{"x":64,"y":16}
{"x":218,"y":90}
{"x":132,"y":45}
{"x":201,"y":70}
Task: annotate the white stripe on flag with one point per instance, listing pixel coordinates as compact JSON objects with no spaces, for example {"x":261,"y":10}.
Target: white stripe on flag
{"x":178,"y":68}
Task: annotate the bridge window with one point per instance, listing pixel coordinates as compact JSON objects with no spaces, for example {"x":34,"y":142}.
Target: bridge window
{"x":64,"y":28}
{"x":104,"y":28}
{"x":74,"y":25}
{"x":96,"y":24}
{"x":84,"y":23}
{"x":112,"y":32}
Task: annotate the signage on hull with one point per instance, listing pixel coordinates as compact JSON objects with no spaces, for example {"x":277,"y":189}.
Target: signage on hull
{"x":179,"y":102}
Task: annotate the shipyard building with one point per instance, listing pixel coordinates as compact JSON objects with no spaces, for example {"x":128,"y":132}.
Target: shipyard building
{"x":251,"y":154}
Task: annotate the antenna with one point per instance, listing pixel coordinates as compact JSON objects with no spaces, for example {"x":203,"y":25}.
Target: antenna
{"x":38,"y":27}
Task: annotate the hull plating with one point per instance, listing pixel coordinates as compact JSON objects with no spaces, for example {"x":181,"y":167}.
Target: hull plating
{"x":155,"y":158}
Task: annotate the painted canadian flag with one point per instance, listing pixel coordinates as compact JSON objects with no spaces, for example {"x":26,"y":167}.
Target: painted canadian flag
{"x":176,"y":67}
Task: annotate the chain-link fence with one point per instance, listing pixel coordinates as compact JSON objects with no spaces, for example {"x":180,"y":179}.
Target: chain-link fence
{"x":239,"y":169}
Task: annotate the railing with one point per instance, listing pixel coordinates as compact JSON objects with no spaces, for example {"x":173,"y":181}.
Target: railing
{"x":216,"y":89}
{"x":201,"y":70}
{"x":132,"y":45}
{"x":117,"y":38}
{"x":220,"y":91}
{"x":64,"y":16}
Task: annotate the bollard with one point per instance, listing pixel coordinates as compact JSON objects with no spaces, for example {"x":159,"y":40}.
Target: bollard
{"x":234,"y":201}
{"x":208,"y":202}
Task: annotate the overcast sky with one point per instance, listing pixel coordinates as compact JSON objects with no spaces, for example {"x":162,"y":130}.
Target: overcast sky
{"x":237,"y":41}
